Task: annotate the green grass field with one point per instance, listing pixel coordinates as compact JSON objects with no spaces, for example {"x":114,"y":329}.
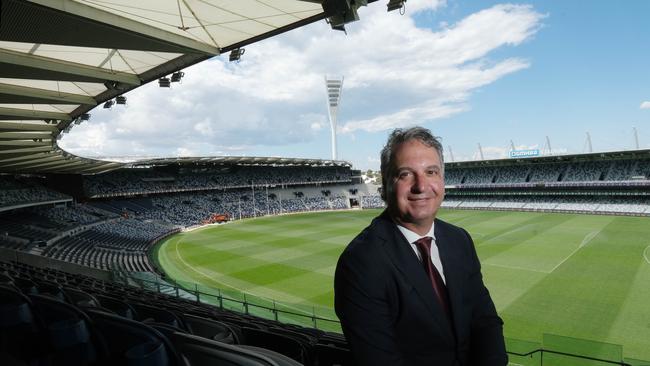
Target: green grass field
{"x":578,"y":276}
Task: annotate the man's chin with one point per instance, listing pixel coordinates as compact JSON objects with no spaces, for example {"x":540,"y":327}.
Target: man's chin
{"x":420,"y":219}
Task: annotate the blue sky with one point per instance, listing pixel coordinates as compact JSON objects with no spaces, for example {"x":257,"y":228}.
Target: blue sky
{"x":473,"y":72}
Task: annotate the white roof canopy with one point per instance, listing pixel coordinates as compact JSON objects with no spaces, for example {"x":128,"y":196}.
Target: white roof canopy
{"x":61,"y":58}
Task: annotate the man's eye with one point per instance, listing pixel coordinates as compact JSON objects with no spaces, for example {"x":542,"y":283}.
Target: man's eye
{"x":403,"y":175}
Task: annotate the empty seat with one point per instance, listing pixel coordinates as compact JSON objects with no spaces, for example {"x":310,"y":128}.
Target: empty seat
{"x":280,"y":343}
{"x":22,"y":334}
{"x":133,"y":343}
{"x":158,"y":315}
{"x":71,"y":334}
{"x":330,"y":355}
{"x":117,"y":306}
{"x":80,"y":298}
{"x":204,"y":352}
{"x":210,"y":329}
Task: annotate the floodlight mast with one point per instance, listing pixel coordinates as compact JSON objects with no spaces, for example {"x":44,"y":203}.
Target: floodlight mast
{"x":334,"y":87}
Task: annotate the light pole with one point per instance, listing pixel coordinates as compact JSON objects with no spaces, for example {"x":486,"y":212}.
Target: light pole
{"x":334,"y":88}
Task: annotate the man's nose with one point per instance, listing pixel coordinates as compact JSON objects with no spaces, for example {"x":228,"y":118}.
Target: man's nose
{"x":418,"y":184}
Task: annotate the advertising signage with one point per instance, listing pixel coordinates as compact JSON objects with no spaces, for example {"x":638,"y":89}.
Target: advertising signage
{"x":524,"y":153}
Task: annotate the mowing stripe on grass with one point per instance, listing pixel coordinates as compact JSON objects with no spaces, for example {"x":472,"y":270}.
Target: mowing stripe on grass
{"x":575,"y":275}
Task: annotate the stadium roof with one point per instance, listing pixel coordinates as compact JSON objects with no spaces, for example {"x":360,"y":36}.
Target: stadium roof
{"x":59,"y":59}
{"x":239,"y":160}
{"x":547,"y":159}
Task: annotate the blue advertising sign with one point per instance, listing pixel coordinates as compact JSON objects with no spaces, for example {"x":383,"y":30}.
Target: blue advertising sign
{"x":524,"y":153}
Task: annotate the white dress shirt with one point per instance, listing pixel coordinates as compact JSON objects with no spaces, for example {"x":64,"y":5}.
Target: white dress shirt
{"x":412,"y":237}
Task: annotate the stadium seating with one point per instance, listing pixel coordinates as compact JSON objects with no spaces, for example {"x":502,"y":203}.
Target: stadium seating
{"x":81,"y":320}
{"x":23,"y":192}
{"x":140,"y":181}
{"x":126,"y":212}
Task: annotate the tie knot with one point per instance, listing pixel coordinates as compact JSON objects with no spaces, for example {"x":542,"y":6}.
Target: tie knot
{"x":424,"y":245}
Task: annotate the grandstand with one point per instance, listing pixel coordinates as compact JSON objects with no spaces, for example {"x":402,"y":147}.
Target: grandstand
{"x":600,"y":183}
{"x":109,"y":223}
{"x":111,"y":220}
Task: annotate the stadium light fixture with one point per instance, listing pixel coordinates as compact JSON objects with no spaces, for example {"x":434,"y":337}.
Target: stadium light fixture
{"x":177,"y":76}
{"x":108,"y":104}
{"x":164,"y":82}
{"x":395,"y":4}
{"x":236,"y":54}
{"x":334,"y":88}
{"x":120,"y":99}
{"x":341,"y":12}
{"x":85,"y":117}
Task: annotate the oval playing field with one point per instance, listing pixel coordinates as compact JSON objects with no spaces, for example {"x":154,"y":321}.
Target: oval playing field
{"x":583,"y":276}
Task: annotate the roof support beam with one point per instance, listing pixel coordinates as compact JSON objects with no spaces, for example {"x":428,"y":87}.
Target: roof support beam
{"x":60,"y":66}
{"x":29,"y":143}
{"x":150,"y":37}
{"x":25,"y":135}
{"x":22,"y":126}
{"x":101,"y":168}
{"x":53,"y":164}
{"x":41,"y":96}
{"x":24,"y":157}
{"x":32,"y":161}
{"x":27,"y":150}
{"x":17,"y":113}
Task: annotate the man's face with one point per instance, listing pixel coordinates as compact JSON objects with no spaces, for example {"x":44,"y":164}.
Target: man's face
{"x":417,"y":186}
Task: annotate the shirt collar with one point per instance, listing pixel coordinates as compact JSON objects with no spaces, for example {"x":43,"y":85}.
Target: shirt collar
{"x":412,"y":236}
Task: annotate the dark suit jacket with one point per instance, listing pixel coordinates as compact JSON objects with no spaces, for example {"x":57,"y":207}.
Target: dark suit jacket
{"x":388,"y":309}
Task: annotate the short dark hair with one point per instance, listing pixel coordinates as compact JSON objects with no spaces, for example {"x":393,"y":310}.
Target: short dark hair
{"x":395,"y":139}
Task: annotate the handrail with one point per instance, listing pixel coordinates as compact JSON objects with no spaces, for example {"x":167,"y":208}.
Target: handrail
{"x":542,"y":350}
{"x":314,"y":319}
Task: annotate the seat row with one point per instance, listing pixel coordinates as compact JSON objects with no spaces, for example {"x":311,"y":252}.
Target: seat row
{"x":49,"y":317}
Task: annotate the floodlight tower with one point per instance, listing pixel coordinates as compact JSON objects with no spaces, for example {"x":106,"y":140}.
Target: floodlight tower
{"x":334,"y":86}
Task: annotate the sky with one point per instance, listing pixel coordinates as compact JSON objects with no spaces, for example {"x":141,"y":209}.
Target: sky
{"x":474,"y":72}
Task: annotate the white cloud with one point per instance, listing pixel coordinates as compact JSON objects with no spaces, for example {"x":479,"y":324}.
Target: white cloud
{"x":182,"y":151}
{"x":645,"y":105}
{"x":404,"y":117}
{"x":438,"y":70}
{"x":396,"y":74}
{"x":421,"y":5}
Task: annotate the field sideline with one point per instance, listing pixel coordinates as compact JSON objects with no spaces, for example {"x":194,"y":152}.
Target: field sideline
{"x":580,"y":276}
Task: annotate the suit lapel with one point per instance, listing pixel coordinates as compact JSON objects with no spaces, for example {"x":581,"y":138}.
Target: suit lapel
{"x":401,"y":254}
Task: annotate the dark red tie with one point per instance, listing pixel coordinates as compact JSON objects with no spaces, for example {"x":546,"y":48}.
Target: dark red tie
{"x":424,"y":246}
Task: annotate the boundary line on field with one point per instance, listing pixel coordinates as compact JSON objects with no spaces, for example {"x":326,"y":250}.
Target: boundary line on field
{"x":645,"y":254}
{"x":230,"y":286}
{"x":584,"y":242}
{"x":588,"y":238}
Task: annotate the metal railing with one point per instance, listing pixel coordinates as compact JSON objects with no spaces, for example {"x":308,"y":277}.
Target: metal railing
{"x":554,"y":350}
{"x":541,"y":351}
{"x":244,"y":303}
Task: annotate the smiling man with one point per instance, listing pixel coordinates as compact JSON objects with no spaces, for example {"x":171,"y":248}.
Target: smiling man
{"x":408,"y":289}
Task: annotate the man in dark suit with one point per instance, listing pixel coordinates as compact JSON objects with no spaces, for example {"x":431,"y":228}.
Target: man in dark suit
{"x":408,"y":289}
